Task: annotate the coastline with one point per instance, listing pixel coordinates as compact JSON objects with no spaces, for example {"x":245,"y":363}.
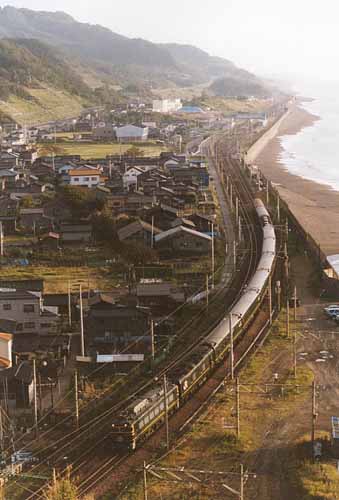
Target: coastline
{"x":315,"y":205}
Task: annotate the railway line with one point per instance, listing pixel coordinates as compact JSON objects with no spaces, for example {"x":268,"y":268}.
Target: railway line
{"x":97,"y":469}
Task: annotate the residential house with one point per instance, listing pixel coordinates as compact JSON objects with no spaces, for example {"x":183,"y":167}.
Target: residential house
{"x":163,"y":216}
{"x":181,"y":241}
{"x":85,"y":177}
{"x":6,"y":342}
{"x":34,"y":220}
{"x":138,"y":232}
{"x":111,"y":327}
{"x":75,"y":233}
{"x":130,"y":178}
{"x":131,"y":133}
{"x":160,"y":297}
{"x":104,"y":132}
{"x":26,"y":308}
{"x":16,"y":386}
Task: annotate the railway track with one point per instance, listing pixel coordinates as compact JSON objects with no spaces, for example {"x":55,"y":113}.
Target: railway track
{"x":105,"y":467}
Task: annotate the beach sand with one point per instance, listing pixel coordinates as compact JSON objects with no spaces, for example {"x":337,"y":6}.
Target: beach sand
{"x":316,"y":206}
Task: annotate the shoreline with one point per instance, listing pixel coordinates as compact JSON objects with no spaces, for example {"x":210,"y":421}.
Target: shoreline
{"x":315,"y":205}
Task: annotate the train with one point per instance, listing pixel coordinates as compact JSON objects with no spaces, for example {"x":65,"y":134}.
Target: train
{"x":144,"y":415}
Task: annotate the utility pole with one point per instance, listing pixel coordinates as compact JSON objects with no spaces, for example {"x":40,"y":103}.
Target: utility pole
{"x":207,"y":291}
{"x":145,"y":481}
{"x":270,"y":297}
{"x":287,"y":318}
{"x":231,"y":196}
{"x":241,"y":496}
{"x":267,"y":193}
{"x":213,"y":259}
{"x":35,"y":397}
{"x":278,"y":291}
{"x":314,"y":416}
{"x":166,"y":411}
{"x":152,"y":340}
{"x":82,"y":324}
{"x":234,"y":256}
{"x":237,"y":390}
{"x":76,"y":397}
{"x":1,"y":431}
{"x":278,"y":208}
{"x":239,"y":229}
{"x":295,"y":304}
{"x":236,"y":208}
{"x":295,"y":353}
{"x":69,"y":305}
{"x":1,"y":239}
{"x":152,"y":234}
{"x":232,"y":346}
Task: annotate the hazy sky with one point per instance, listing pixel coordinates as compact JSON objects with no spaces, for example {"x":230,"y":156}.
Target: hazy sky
{"x":266,"y":36}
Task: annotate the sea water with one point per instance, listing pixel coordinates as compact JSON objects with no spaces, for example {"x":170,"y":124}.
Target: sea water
{"x":313,"y":153}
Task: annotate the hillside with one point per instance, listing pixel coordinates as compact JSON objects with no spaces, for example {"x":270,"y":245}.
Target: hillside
{"x":36,"y":84}
{"x":116,"y":58}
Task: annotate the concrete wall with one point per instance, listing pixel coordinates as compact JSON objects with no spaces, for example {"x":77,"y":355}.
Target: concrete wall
{"x":255,"y":150}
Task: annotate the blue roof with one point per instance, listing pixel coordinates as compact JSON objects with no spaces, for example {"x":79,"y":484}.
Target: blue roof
{"x":190,"y":109}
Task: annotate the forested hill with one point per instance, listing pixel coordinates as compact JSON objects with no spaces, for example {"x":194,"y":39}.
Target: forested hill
{"x":119,"y":59}
{"x":26,"y":64}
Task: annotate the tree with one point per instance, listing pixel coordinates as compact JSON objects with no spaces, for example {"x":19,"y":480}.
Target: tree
{"x":82,"y":201}
{"x":134,"y":152}
{"x":62,"y":489}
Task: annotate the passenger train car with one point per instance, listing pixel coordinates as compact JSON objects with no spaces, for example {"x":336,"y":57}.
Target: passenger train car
{"x":144,"y":415}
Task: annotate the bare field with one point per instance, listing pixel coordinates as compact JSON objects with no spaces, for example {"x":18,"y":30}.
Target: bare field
{"x":101,"y":150}
{"x":56,"y":278}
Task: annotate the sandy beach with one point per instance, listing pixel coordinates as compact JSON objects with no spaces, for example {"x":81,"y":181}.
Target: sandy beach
{"x":316,"y":206}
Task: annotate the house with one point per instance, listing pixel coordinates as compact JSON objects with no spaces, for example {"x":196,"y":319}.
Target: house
{"x":163,"y":216}
{"x":34,"y":220}
{"x":203,"y":223}
{"x":104,"y":132}
{"x":76,"y":233}
{"x":138,"y":232}
{"x":8,"y":178}
{"x":6,"y":341}
{"x":16,"y":386}
{"x":130,"y":178}
{"x":29,"y":156}
{"x":85,"y":177}
{"x":182,"y":241}
{"x":161,"y":297}
{"x":131,"y":133}
{"x":111,"y":326}
{"x":26,"y":308}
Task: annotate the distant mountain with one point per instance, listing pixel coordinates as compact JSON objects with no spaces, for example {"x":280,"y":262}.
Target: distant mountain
{"x":114,"y":57}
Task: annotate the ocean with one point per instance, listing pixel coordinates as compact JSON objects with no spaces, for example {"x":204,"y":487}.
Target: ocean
{"x":313,"y":153}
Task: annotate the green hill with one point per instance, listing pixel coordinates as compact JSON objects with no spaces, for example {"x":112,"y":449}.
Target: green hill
{"x":36,"y":84}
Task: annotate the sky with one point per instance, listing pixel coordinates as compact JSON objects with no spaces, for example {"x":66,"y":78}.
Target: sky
{"x":294,"y":37}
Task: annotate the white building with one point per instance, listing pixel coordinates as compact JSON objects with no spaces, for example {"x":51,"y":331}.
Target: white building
{"x":166,"y":105}
{"x":130,"y":178}
{"x":131,"y":133}
{"x":85,"y":177}
{"x":6,"y":341}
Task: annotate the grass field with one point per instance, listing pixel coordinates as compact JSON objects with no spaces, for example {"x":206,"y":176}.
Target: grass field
{"x":99,"y":150}
{"x":50,"y":104}
{"x":56,"y":278}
